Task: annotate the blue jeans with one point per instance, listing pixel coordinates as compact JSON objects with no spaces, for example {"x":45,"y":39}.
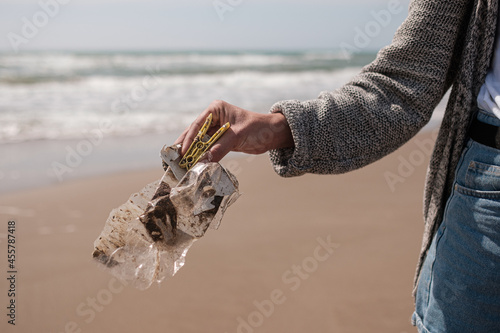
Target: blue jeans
{"x":459,"y":285}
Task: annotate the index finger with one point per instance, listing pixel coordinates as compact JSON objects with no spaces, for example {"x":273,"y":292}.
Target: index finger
{"x":190,"y":134}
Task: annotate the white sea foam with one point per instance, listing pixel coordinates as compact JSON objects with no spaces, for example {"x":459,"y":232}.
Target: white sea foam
{"x":64,"y":95}
{"x":65,"y":110}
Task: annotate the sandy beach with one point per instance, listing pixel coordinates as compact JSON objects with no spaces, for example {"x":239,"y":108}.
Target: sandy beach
{"x":307,"y":254}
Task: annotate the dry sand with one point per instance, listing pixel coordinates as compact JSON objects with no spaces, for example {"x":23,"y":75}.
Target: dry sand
{"x":262,"y":271}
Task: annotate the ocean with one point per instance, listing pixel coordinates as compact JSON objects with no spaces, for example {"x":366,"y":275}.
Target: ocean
{"x":70,"y":115}
{"x":63,"y":95}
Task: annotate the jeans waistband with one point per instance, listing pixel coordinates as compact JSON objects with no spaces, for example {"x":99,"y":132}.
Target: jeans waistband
{"x":488,"y":118}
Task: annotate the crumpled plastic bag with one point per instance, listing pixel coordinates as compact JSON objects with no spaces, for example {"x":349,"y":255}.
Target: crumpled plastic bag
{"x":147,"y":238}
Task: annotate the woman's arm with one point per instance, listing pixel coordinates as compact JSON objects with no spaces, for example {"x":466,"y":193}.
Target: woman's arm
{"x":374,"y":114}
{"x":386,"y":104}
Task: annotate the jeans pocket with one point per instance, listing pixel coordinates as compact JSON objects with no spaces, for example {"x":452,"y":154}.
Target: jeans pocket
{"x":482,"y":180}
{"x":483,"y":176}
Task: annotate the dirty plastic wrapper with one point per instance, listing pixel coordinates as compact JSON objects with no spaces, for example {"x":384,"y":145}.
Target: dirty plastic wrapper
{"x":146,"y":239}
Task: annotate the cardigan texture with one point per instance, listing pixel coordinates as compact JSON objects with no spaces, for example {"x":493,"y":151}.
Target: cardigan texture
{"x":441,"y":44}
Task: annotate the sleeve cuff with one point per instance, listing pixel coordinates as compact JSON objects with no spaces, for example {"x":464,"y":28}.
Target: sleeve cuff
{"x":290,"y":162}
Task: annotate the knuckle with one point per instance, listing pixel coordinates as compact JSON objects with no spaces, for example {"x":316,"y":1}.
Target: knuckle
{"x":218,"y":104}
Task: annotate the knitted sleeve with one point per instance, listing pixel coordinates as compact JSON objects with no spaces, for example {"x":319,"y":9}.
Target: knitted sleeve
{"x":384,"y":105}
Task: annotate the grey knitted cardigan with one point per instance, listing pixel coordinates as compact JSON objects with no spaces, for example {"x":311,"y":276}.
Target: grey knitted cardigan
{"x":442,"y":43}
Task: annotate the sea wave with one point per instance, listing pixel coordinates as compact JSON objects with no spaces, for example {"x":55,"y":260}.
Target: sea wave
{"x":67,"y":95}
{"x":32,"y":68}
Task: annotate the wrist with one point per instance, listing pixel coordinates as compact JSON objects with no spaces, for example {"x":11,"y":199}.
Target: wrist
{"x":282,"y":135}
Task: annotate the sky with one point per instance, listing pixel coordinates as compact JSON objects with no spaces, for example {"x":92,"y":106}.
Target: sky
{"x":364,"y":25}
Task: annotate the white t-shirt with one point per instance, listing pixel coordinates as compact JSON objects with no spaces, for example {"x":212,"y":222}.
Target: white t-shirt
{"x":489,"y":95}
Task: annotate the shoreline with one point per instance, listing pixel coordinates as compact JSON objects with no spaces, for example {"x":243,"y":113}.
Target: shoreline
{"x":26,"y":168}
{"x":37,"y":164}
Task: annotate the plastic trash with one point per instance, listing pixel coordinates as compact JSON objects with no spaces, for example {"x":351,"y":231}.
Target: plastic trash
{"x":147,"y":238}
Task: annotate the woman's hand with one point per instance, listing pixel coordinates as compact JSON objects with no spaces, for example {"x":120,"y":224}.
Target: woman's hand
{"x":250,"y":132}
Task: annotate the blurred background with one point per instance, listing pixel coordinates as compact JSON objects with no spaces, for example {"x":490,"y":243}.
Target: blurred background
{"x":129,"y":76}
